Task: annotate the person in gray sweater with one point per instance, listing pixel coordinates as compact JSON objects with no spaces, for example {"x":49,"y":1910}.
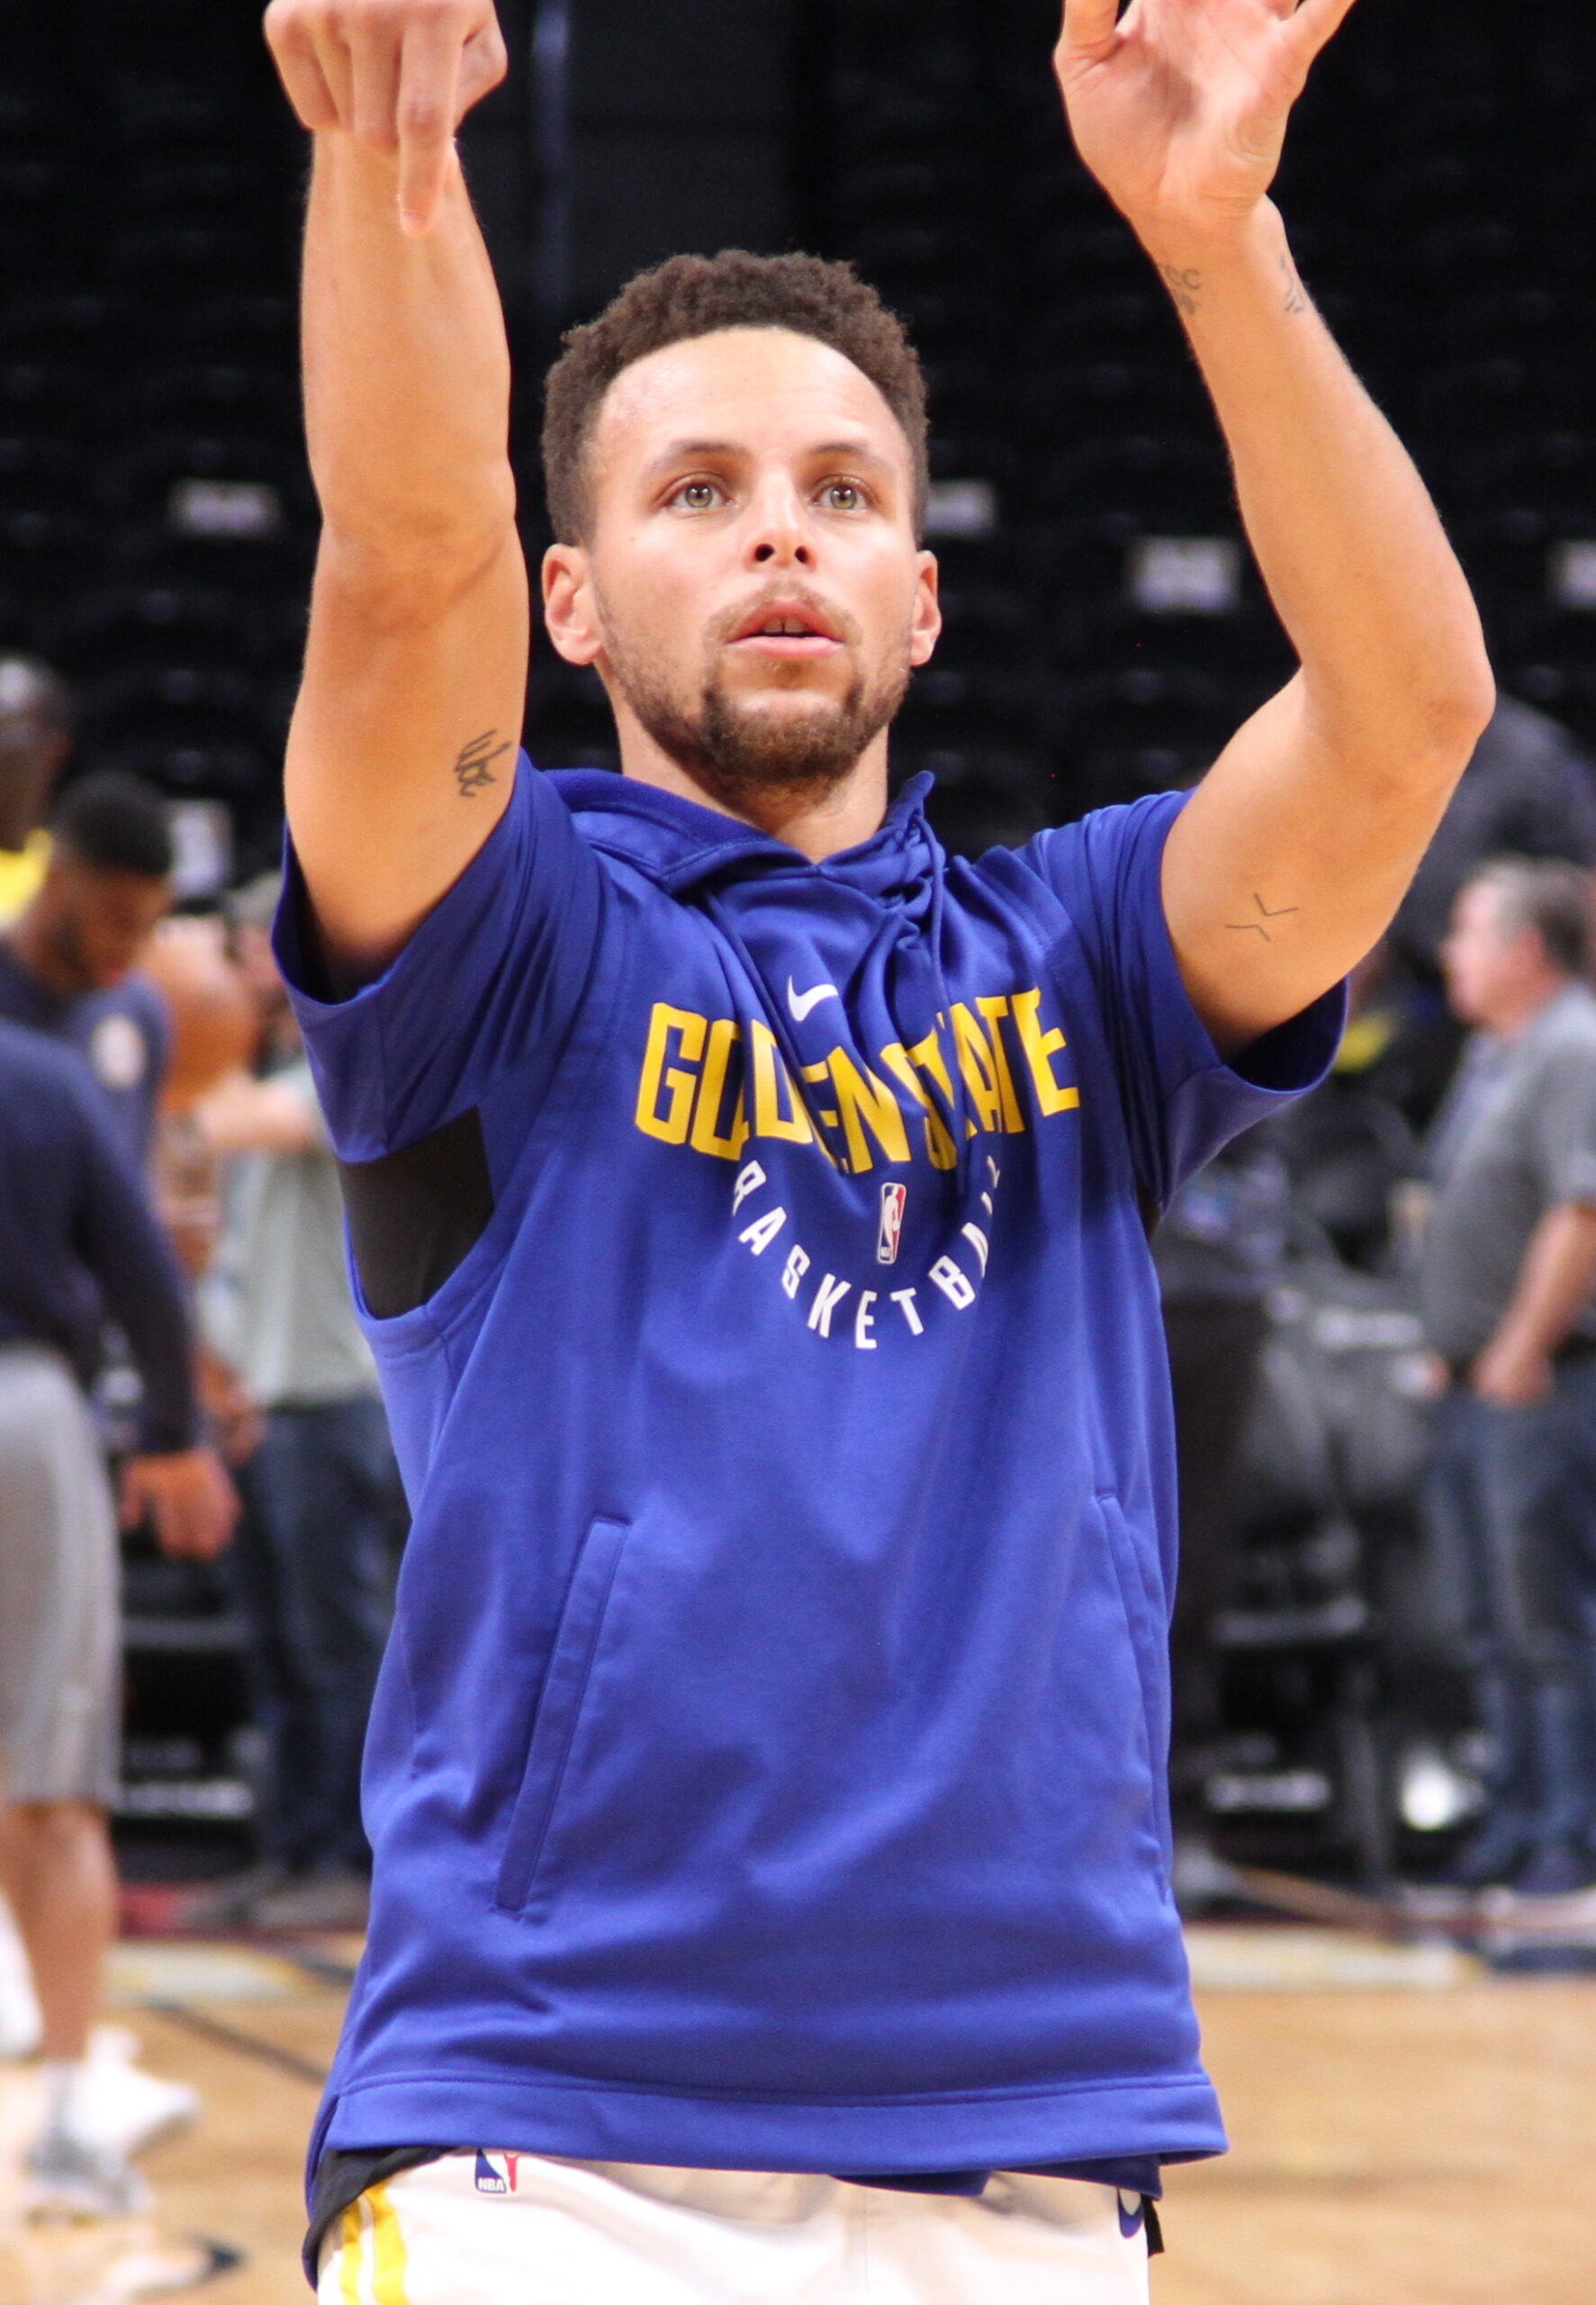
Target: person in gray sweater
{"x":1507,"y":1292}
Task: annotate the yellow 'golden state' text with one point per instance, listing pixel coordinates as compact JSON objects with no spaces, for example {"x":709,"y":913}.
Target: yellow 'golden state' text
{"x":712,"y":1083}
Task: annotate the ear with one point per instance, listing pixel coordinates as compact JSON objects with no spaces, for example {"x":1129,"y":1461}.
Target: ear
{"x":926,"y":629}
{"x":570,"y":610}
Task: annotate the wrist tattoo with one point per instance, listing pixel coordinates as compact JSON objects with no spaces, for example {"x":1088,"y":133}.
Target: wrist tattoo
{"x":1296,"y":295}
{"x":1259,"y":928}
{"x":474,"y":768}
{"x":1185,"y":287}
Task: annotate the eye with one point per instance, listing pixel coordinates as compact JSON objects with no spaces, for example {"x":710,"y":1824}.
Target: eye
{"x":843,"y":496}
{"x":699,"y":495}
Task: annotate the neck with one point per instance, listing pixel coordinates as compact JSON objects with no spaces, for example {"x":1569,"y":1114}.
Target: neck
{"x":817,"y":822}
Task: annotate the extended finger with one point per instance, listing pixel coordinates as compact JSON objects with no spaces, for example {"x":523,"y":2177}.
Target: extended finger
{"x":427,"y":114}
{"x":331,"y":47}
{"x":294,"y":52}
{"x":373,"y":72}
{"x":1088,"y":27}
{"x":1317,"y":22}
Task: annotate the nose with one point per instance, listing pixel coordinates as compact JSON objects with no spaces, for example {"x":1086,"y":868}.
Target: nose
{"x":779,"y":535}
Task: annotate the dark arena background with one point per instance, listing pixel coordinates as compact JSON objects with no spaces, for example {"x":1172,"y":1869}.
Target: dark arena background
{"x":1407,"y":2062}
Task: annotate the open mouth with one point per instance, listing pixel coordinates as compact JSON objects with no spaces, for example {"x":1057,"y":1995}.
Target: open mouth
{"x":786,"y":629}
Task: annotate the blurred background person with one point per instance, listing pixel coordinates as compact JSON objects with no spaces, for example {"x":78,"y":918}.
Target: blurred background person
{"x":313,"y":1563}
{"x":215,"y":1033}
{"x":77,"y":1240}
{"x":1529,"y":790}
{"x":80,"y":905}
{"x":1507,"y":1281}
{"x":69,"y":961}
{"x":76,"y":967}
{"x":35,"y":738}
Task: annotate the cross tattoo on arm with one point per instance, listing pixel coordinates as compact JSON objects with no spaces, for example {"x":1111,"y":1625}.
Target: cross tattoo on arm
{"x":474,"y":768}
{"x":1256,"y":927}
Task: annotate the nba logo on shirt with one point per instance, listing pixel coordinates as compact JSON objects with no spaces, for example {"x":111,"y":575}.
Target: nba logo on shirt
{"x":488,"y":2179}
{"x":894,"y":1200}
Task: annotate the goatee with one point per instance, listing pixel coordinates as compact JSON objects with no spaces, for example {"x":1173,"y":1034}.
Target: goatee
{"x":738,"y":751}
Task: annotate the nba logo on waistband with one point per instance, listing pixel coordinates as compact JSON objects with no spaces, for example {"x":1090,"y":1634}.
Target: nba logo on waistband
{"x":488,"y":2179}
{"x":894,"y":1200}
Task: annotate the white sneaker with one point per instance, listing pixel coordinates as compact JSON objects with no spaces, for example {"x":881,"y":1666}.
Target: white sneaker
{"x":118,"y":2108}
{"x":67,"y":2179}
{"x":20,"y":2027}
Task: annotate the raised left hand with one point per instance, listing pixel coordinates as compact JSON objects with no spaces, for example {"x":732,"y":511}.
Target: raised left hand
{"x":1178,"y":107}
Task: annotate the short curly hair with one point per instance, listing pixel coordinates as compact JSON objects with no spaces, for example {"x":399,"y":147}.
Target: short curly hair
{"x":690,"y":296}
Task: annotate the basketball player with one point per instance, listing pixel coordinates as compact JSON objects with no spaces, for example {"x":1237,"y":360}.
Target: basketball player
{"x":770,"y":1893}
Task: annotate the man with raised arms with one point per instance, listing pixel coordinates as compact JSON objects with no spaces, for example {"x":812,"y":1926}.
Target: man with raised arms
{"x":765,"y":1779}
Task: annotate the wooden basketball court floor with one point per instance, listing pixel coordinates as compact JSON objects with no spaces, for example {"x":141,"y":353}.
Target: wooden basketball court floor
{"x":1407,"y":2128}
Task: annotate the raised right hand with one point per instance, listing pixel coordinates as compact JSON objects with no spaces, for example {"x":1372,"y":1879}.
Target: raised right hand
{"x":400,"y":75}
{"x":1178,"y":107}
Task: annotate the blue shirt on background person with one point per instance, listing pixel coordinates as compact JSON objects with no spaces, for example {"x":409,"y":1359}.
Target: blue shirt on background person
{"x":123,"y":1034}
{"x":79,"y":1240}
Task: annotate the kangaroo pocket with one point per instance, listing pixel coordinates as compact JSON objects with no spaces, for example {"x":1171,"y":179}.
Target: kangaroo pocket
{"x":765,"y":1809}
{"x":559,"y":1709}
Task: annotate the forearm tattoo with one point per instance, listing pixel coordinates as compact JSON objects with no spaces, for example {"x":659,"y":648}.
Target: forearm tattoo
{"x":1259,"y":928}
{"x":1296,"y":295}
{"x":474,"y":768}
{"x":1185,"y":287}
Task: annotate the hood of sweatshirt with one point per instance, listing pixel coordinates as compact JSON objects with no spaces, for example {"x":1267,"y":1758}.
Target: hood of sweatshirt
{"x":852,"y":947}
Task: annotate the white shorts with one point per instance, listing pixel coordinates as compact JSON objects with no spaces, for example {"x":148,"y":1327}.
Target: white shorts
{"x":608,"y":2232}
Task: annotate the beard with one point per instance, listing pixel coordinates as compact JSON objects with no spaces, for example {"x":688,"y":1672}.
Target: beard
{"x":737,"y":749}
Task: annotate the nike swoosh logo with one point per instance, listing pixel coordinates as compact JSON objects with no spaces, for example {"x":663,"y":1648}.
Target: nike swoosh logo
{"x":801,"y":1003}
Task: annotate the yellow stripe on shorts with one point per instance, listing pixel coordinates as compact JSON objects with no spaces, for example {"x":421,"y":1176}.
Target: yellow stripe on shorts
{"x":351,"y":2250}
{"x":388,"y":2288}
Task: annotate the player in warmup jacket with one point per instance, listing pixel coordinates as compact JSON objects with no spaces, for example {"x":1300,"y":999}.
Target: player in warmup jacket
{"x":765,"y":1778}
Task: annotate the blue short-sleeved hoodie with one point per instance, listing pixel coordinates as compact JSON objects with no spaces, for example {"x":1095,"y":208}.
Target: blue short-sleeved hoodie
{"x":766,"y":1769}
